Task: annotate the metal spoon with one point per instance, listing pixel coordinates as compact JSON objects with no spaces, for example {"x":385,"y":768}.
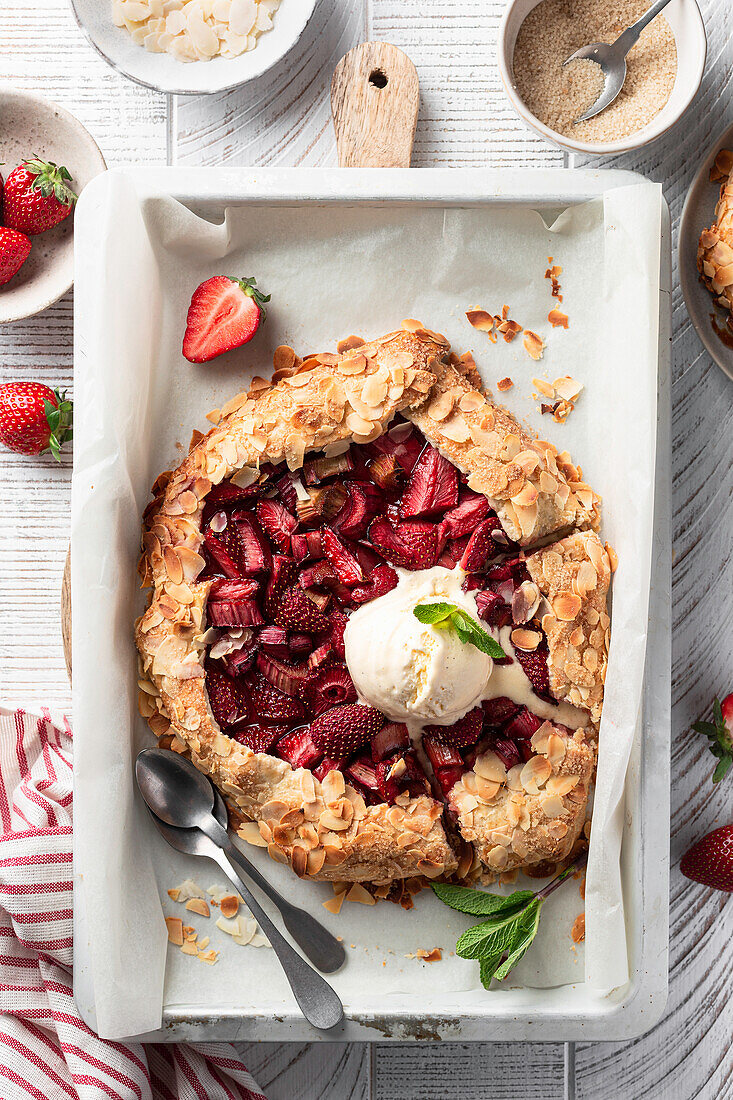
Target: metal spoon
{"x":315,"y":941}
{"x":612,"y":60}
{"x":180,"y":796}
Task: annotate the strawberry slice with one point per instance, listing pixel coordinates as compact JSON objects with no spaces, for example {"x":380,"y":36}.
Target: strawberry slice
{"x":402,"y":441}
{"x":364,"y":501}
{"x":217,"y":553}
{"x":481,"y":546}
{"x":348,"y":568}
{"x":227,"y":698}
{"x":336,"y":626}
{"x":256,"y":737}
{"x":466,"y":731}
{"x":330,"y":687}
{"x":412,"y":544}
{"x":499,"y":710}
{"x":534,"y":666}
{"x":328,"y":765}
{"x":710,"y":860}
{"x":342,"y":730}
{"x":296,"y":611}
{"x":277,"y":523}
{"x":298,"y":749}
{"x":282,"y":575}
{"x":270,"y":706}
{"x":465,"y":517}
{"x":381,"y":580}
{"x":225,"y":313}
{"x":433,"y":486}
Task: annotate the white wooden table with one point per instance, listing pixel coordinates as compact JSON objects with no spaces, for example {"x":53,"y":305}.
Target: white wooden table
{"x":464,"y":120}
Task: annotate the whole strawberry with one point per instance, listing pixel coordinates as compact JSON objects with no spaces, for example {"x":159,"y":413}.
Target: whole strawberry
{"x":710,"y":860}
{"x":37,"y":197}
{"x":720,"y":735}
{"x":34,"y":418}
{"x":225,"y":313}
{"x":14,"y":251}
{"x":342,"y":730}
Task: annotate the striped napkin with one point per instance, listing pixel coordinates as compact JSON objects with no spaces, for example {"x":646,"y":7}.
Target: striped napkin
{"x":48,"y":1051}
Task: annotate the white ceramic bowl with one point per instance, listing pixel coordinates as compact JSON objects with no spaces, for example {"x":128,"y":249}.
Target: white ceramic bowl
{"x":688,"y":28}
{"x":164,"y":73}
{"x":33,"y":126}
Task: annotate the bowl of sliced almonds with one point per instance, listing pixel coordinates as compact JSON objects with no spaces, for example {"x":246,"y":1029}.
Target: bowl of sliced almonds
{"x":192,"y":47}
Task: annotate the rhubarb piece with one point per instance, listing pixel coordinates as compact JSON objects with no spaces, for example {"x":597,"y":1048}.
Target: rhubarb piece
{"x":522,"y":725}
{"x":216,"y":551}
{"x":319,"y":469}
{"x":507,"y":752}
{"x":256,"y":737}
{"x":381,"y":580}
{"x":363,"y":773}
{"x":222,"y":589}
{"x":412,"y":544}
{"x":453,"y":552}
{"x":343,"y":730}
{"x":227,"y":699}
{"x":327,"y":688}
{"x":321,"y":503}
{"x":275,"y":640}
{"x":270,"y":706}
{"x":441,"y":754}
{"x":300,"y":645}
{"x":320,"y":573}
{"x":481,"y":546}
{"x":298,"y":749}
{"x":498,"y":711}
{"x":466,"y":731}
{"x":391,"y":739}
{"x":449,"y":776}
{"x":282,"y":575}
{"x":285,"y":677}
{"x":277,"y":523}
{"x":386,"y":472}
{"x":363,"y":502}
{"x":320,"y":655}
{"x":285,"y":485}
{"x":297,"y":612}
{"x":307,"y":545}
{"x":255,"y":555}
{"x":467,"y":514}
{"x":336,"y":626}
{"x":433,"y":486}
{"x":225,"y":613}
{"x":492,"y":608}
{"x":240,"y":660}
{"x":348,"y":568}
{"x":387,"y":785}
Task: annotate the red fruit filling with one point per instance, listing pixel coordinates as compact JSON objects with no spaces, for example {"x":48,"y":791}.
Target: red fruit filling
{"x":286,"y":572}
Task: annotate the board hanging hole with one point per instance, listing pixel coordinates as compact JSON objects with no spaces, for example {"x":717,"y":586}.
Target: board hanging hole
{"x":378,"y":78}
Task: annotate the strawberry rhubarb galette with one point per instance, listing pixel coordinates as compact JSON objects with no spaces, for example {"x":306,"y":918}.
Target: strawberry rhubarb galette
{"x":378,"y":618}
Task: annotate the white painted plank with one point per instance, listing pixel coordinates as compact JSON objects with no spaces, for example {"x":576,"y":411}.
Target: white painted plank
{"x":310,"y":1071}
{"x":468,"y":1071}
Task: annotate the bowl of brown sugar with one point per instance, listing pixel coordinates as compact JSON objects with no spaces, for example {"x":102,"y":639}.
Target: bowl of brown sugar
{"x":664,"y":70}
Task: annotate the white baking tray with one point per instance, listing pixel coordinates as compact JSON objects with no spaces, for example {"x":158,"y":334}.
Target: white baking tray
{"x":567,"y":1012}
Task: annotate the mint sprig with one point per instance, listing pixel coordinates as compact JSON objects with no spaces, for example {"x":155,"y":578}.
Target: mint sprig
{"x":499,"y":942}
{"x":467,"y":629}
{"x":721,"y":743}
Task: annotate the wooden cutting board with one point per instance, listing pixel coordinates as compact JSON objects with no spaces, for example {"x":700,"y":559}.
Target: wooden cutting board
{"x":375,"y":96}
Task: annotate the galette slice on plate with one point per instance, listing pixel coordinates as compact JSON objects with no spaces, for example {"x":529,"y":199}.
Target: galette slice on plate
{"x":281,"y":650}
{"x":715,"y":250}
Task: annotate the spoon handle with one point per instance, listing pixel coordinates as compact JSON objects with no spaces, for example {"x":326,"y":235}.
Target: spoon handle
{"x":630,"y":36}
{"x":319,"y":1003}
{"x":315,"y":941}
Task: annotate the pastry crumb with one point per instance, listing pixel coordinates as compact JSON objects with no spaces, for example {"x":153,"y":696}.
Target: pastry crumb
{"x":504,"y":384}
{"x":578,"y":930}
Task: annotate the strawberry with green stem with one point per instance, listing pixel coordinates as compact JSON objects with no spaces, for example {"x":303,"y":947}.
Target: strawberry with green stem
{"x":720,"y":734}
{"x":37,"y":196}
{"x":34,"y":418}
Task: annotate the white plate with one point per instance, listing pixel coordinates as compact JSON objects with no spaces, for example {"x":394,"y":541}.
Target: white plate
{"x":699,"y":212}
{"x":32,"y":126}
{"x":164,"y":73}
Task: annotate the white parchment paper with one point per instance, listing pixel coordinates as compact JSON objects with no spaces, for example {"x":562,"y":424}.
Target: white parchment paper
{"x":333,"y":270}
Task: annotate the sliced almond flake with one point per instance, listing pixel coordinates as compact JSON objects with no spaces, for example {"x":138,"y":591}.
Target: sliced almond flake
{"x":352,"y":365}
{"x":175,"y":930}
{"x":198,"y":905}
{"x":567,"y":388}
{"x":533,"y":344}
{"x":349,"y":343}
{"x":189,"y":889}
{"x":188,"y":947}
{"x":543,"y":387}
{"x":558,"y":319}
{"x":358,"y":893}
{"x":457,"y":430}
{"x":334,"y":904}
{"x":434,"y":955}
{"x":480,"y":319}
{"x":214,"y":416}
{"x":283,"y":357}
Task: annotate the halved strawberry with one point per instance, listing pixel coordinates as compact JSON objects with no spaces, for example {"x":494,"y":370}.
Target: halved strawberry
{"x":297,"y":612}
{"x":433,"y":486}
{"x":522,"y":725}
{"x":343,"y":561}
{"x":217,"y":553}
{"x":381,"y":580}
{"x":225,"y":313}
{"x":282,"y":575}
{"x":270,"y":706}
{"x":256,"y":737}
{"x":363,"y":502}
{"x":499,"y":710}
{"x":343,"y":730}
{"x":534,"y":666}
{"x":227,"y":698}
{"x":466,"y":731}
{"x":403,"y":441}
{"x":328,"y":764}
{"x":467,"y":514}
{"x":277,"y":523}
{"x":481,"y":546}
{"x":412,"y":544}
{"x":387,"y":784}
{"x":298,"y":749}
{"x":327,"y":688}
{"x":710,"y":860}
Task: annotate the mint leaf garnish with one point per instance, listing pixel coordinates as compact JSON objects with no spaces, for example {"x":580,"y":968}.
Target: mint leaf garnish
{"x":467,"y":629}
{"x":499,"y":942}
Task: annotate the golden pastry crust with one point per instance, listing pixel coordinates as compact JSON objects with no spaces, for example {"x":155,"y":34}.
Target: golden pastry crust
{"x":715,"y":250}
{"x":535,"y":811}
{"x":327,"y":400}
{"x":574,"y":575}
{"x":534,"y":491}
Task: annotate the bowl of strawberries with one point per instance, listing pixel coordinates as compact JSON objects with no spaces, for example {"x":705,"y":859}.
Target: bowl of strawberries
{"x":48,"y":159}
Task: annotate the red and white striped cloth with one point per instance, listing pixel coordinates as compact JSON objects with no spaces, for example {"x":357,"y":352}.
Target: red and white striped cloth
{"x":48,"y":1052}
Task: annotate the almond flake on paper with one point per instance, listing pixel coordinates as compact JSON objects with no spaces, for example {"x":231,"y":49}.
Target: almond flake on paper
{"x":175,"y":930}
{"x":577,"y":933}
{"x":558,"y":319}
{"x":553,"y":273}
{"x":188,"y":889}
{"x":534,"y":345}
{"x":504,"y":384}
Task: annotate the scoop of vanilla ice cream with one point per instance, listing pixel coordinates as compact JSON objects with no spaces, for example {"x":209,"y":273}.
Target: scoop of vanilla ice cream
{"x":410,"y":670}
